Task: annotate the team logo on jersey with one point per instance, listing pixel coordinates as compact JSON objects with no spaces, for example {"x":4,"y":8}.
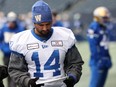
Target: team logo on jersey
{"x":32,"y":46}
{"x":44,"y":46}
{"x":57,"y":43}
{"x":38,"y":18}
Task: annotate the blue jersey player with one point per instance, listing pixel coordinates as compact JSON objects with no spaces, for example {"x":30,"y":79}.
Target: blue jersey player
{"x":100,"y":60}
{"x":44,"y":56}
{"x":56,"y":21}
{"x":6,"y":32}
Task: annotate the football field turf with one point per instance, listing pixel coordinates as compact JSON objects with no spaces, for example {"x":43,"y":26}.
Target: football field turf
{"x":84,"y":51}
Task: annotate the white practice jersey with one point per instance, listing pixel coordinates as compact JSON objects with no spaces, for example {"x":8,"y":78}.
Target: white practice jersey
{"x":44,"y":57}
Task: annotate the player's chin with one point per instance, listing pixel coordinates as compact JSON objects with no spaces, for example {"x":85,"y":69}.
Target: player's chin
{"x":45,"y":34}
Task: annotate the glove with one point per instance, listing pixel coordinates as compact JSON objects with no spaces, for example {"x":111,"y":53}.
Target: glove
{"x":69,"y":82}
{"x":1,"y":84}
{"x":32,"y":83}
{"x":3,"y":72}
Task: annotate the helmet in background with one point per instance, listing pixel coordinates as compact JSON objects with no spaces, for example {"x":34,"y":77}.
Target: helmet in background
{"x":11,"y":16}
{"x":101,"y":14}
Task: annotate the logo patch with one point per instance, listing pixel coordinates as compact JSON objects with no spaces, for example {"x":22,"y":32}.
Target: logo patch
{"x":32,"y":46}
{"x":38,"y":18}
{"x":44,"y":46}
{"x":57,"y":43}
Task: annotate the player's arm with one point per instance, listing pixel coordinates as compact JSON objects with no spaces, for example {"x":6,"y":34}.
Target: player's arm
{"x":18,"y":69}
{"x":93,"y":43}
{"x":73,"y":65}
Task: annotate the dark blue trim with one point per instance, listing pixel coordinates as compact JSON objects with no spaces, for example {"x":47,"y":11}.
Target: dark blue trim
{"x":41,"y":38}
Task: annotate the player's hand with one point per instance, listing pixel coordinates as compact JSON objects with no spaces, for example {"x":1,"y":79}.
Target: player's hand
{"x":32,"y":83}
{"x":69,"y":82}
{"x":1,"y":84}
{"x":3,"y":72}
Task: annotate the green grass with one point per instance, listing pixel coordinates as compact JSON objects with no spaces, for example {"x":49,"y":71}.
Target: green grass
{"x":85,"y":78}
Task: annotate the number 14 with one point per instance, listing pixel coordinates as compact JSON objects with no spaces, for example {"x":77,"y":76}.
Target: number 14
{"x":47,"y":66}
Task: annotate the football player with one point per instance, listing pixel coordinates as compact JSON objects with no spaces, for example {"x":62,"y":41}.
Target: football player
{"x":45,"y":56}
{"x":56,"y":21}
{"x":6,"y":32}
{"x":98,"y":38}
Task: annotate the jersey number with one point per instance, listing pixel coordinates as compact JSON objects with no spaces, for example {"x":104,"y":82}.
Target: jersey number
{"x":47,"y":66}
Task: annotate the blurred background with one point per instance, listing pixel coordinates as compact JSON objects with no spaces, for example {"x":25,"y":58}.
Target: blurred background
{"x":74,"y":14}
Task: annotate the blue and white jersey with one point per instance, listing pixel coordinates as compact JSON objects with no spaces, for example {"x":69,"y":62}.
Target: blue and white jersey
{"x":99,"y":42}
{"x":5,"y":35}
{"x":44,"y":56}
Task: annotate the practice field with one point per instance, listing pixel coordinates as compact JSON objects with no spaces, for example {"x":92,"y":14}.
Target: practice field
{"x":84,"y":81}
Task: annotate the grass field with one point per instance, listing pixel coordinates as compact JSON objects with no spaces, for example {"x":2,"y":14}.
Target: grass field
{"x":84,"y":81}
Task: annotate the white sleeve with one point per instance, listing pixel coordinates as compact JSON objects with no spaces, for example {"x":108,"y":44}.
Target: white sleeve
{"x":12,"y":43}
{"x":69,"y":36}
{"x":71,"y":39}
